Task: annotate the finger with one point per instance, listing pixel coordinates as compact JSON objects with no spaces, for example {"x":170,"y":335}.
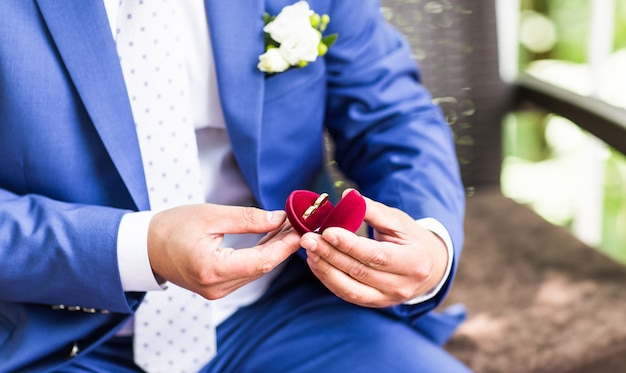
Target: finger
{"x":235,"y":219}
{"x":257,"y":260}
{"x":380,"y":216}
{"x":389,"y":223}
{"x":378,"y":264}
{"x":353,"y":268}
{"x":220,"y":290}
{"x":362,"y":249}
{"x":287,"y":238}
{"x":397,"y":287}
{"x":349,"y":252}
{"x":284,"y":227}
{"x":346,"y":287}
{"x":374,"y":211}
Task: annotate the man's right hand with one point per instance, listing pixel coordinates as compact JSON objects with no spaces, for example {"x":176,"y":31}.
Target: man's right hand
{"x":183,"y":246}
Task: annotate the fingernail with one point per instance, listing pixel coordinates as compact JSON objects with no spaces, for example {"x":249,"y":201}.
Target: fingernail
{"x":276,"y":216}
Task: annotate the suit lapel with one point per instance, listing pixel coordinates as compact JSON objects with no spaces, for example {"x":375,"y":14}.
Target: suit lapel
{"x":83,"y":37}
{"x":237,"y":38}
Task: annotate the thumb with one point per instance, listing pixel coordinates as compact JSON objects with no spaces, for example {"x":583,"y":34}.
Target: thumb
{"x":374,"y":211}
{"x":381,"y":217}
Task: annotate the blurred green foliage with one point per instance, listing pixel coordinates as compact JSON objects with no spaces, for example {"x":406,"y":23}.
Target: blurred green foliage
{"x":570,"y":19}
{"x":613,"y":232}
{"x":525,"y":131}
{"x":620,"y":25}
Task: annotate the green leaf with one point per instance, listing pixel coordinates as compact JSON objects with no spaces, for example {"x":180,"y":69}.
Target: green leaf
{"x":267,"y":18}
{"x":330,"y":39}
{"x":269,"y":41}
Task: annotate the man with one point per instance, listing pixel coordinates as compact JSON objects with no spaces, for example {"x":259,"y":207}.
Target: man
{"x":83,"y":237}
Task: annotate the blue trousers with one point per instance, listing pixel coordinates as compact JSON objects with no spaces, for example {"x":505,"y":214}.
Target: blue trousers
{"x":299,"y":326}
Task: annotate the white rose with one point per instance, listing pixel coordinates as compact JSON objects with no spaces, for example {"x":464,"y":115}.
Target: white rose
{"x":301,"y":46}
{"x":272,"y":61}
{"x":291,"y":20}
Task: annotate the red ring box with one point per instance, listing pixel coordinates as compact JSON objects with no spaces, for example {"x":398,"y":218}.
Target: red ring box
{"x":348,"y":213}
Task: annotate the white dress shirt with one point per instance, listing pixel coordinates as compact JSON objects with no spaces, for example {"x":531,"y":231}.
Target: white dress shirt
{"x":223,"y":182}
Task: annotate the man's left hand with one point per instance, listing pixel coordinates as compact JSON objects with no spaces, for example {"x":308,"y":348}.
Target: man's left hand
{"x":402,"y":262}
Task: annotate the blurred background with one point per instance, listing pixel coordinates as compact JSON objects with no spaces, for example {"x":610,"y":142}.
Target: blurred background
{"x":567,"y":175}
{"x":535,"y":93}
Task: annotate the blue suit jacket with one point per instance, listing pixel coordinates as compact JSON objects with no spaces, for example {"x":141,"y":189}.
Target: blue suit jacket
{"x":70,"y":165}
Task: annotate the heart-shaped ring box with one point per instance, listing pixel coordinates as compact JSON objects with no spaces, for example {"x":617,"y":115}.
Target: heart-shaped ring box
{"x":311,"y":212}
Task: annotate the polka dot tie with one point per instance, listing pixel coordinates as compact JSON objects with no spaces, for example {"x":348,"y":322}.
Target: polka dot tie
{"x":173,"y":330}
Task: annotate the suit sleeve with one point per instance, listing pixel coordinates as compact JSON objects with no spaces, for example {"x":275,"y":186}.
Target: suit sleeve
{"x":60,"y":253}
{"x":58,"y":241}
{"x":389,"y":137}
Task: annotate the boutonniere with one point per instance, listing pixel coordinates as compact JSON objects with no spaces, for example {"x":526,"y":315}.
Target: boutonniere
{"x":294,"y":38}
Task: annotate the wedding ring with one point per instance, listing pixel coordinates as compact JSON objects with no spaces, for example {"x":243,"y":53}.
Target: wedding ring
{"x":323,"y":198}
{"x":308,"y":212}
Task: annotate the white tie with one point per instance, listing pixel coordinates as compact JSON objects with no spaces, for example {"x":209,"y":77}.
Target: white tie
{"x":173,"y":330}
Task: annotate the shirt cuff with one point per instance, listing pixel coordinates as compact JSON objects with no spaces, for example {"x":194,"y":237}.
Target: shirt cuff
{"x":437,"y":228}
{"x":132,"y":253}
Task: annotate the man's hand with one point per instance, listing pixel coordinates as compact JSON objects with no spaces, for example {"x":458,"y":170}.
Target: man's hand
{"x":183,"y":246}
{"x":402,"y":262}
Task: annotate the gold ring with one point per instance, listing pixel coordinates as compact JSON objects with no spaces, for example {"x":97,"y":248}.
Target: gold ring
{"x":323,"y":198}
{"x":320,"y":200}
{"x":308,"y":212}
